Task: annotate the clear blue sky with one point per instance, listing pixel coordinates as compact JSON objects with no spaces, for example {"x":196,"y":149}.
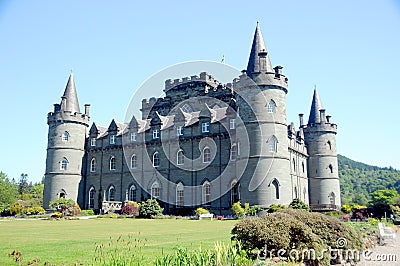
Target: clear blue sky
{"x":349,"y":49}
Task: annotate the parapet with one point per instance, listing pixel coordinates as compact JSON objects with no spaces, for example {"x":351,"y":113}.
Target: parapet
{"x":79,"y":118}
{"x":204,"y":77}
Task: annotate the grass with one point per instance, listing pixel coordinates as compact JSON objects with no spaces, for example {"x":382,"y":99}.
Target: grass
{"x":74,"y":241}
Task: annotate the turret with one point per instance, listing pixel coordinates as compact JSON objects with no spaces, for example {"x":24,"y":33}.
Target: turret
{"x":65,"y":148}
{"x":261,"y":100}
{"x":320,"y":139}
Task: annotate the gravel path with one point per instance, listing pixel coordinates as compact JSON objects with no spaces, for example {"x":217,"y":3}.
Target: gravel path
{"x":385,"y":255}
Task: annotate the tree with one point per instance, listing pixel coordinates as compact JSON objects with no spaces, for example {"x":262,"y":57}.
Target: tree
{"x":8,"y":192}
{"x":67,"y":207}
{"x":23,"y":185}
{"x":150,"y":208}
{"x":298,"y":204}
{"x":238,"y":210}
{"x":383,"y":198}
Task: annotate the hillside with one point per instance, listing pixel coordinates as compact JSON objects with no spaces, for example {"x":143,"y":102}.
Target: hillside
{"x":358,"y":180}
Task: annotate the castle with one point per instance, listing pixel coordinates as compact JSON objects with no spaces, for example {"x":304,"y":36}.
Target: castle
{"x":203,"y":144}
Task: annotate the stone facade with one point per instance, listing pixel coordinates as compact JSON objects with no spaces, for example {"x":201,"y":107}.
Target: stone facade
{"x":203,"y":144}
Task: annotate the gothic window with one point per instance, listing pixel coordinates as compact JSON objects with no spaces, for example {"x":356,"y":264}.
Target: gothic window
{"x":156,"y":159}
{"x":331,"y":168}
{"x":91,"y":197}
{"x":205,"y":127}
{"x":206,"y":192}
{"x":133,"y":161}
{"x":155,"y":190}
{"x":235,"y":196}
{"x":179,"y":131}
{"x":63,"y":164}
{"x":112,"y":139}
{"x":111,"y":193}
{"x":133,"y":137}
{"x":93,"y":142}
{"x":62,"y":194}
{"x":234,"y":152}
{"x":332,"y":198}
{"x":112,"y":163}
{"x":93,"y":165}
{"x":186,"y":108}
{"x":180,"y":195}
{"x":271,"y":107}
{"x":65,"y":136}
{"x":275,"y":184}
{"x":206,"y":155}
{"x":132,"y":193}
{"x":180,"y":157}
{"x":232,"y":123}
{"x":273,"y":144}
{"x":329,"y":145}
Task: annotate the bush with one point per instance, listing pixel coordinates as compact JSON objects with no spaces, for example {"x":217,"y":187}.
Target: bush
{"x":276,"y":207}
{"x":253,"y":210}
{"x":67,"y":207}
{"x":199,"y":211}
{"x":87,"y":212}
{"x":150,"y":208}
{"x":238,"y":210}
{"x":346,"y":208}
{"x":35,"y":211}
{"x":130,"y":210}
{"x":299,"y":205}
{"x":17,"y":208}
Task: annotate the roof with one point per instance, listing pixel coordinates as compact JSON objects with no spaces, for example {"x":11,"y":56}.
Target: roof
{"x":258,"y":46}
{"x":316,"y":105}
{"x":70,"y":103}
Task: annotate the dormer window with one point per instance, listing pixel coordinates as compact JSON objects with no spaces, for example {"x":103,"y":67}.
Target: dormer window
{"x":93,"y":142}
{"x":179,"y":131}
{"x":156,"y":133}
{"x":65,"y":136}
{"x":205,"y":127}
{"x":112,"y":139}
{"x":232,"y":123}
{"x":133,"y":137}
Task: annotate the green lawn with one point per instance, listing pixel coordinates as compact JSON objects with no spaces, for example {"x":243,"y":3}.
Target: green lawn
{"x":71,"y":241}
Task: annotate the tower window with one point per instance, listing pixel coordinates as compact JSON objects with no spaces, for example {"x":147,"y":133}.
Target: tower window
{"x":273,"y":144}
{"x":93,"y":142}
{"x":132,"y":193}
{"x":234,"y":152}
{"x":275,"y":184}
{"x":155,"y":190}
{"x":133,"y":137}
{"x":180,"y":200}
{"x":294,"y":165}
{"x":156,"y":133}
{"x":271,"y":107}
{"x":205,"y":127}
{"x":206,"y":192}
{"x":180,"y":157}
{"x":156,"y":159}
{"x":232,"y":123}
{"x":206,"y":155}
{"x":133,"y":161}
{"x":302,"y":167}
{"x":179,"y":131}
{"x":329,"y":145}
{"x":65,"y":136}
{"x":92,"y":191}
{"x":111,"y":193}
{"x":112,"y":163}
{"x":112,"y":139}
{"x":331,"y":168}
{"x":93,"y":165}
{"x":63,"y":164}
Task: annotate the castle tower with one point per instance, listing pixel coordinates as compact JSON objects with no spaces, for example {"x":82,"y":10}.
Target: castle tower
{"x":320,"y":139}
{"x":261,"y":101}
{"x":65,"y":148}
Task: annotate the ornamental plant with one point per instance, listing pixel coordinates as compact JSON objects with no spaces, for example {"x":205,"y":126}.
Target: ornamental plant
{"x":199,"y":211}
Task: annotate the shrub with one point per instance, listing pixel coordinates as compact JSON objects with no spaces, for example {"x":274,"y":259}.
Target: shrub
{"x":150,"y":208}
{"x":238,"y":210}
{"x":199,"y":211}
{"x":17,"y":208}
{"x":253,"y":210}
{"x":276,"y":207}
{"x":299,"y":205}
{"x":87,"y":212}
{"x":346,"y":208}
{"x":67,"y":207}
{"x":35,"y":210}
{"x":130,"y":210}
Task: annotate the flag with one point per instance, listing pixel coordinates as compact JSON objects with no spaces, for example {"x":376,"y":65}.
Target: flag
{"x":223,"y":59}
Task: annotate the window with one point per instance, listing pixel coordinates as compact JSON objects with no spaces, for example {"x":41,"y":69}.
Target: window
{"x":295,"y":193}
{"x":91,"y":197}
{"x":275,"y":184}
{"x":93,"y":142}
{"x":156,"y":159}
{"x":332,"y":198}
{"x":155,"y":190}
{"x":205,"y":127}
{"x":331,"y":168}
{"x":235,"y":197}
{"x":329,"y":144}
{"x":156,"y":133}
{"x":179,"y":131}
{"x":232,"y":123}
{"x":133,"y":137}
{"x":234,"y":152}
{"x":180,"y":195}
{"x":132,"y":193}
{"x":207,"y":192}
{"x":111,"y":193}
{"x":65,"y":136}
{"x":63,"y":164}
{"x":302,"y":167}
{"x":180,"y":157}
{"x":273,"y":144}
{"x":62,"y":194}
{"x":186,"y":108}
{"x":112,"y":163}
{"x":93,"y":165}
{"x":206,"y":155}
{"x":271,"y":107}
{"x":133,"y":161}
{"x":112,"y":139}
{"x":294,"y":165}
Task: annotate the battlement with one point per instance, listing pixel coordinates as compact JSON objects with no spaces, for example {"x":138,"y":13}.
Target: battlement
{"x":262,"y":78}
{"x":53,"y":117}
{"x":318,"y":127}
{"x":204,"y":77}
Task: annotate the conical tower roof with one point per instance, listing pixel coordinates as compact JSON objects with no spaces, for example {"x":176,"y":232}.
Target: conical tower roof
{"x":258,"y":46}
{"x":316,"y":105}
{"x":70,"y":103}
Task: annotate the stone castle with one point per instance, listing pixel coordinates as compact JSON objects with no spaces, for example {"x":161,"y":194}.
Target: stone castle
{"x":203,"y":144}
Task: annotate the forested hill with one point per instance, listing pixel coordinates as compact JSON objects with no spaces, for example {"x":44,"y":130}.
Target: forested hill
{"x":358,"y":180}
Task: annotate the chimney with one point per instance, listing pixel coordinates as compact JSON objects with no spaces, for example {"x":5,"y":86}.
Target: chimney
{"x":322,"y":116}
{"x":301,"y":119}
{"x":87,"y":107}
{"x":328,"y":118}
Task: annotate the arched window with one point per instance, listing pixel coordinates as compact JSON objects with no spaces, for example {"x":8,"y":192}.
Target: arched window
{"x":93,"y":165}
{"x":62,"y":194}
{"x":235,"y":196}
{"x":294,"y":165}
{"x":206,"y":192}
{"x":63,"y":164}
{"x":273,"y":144}
{"x":275,"y":184}
{"x":92,"y":192}
{"x":329,"y":145}
{"x":65,"y":136}
{"x":180,"y":157}
{"x":133,"y":161}
{"x":332,"y":199}
{"x":155,"y":190}
{"x":156,"y":159}
{"x":111,"y":193}
{"x":180,"y":195}
{"x":271,"y":107}
{"x":331,"y":168}
{"x":234,"y":152}
{"x":132,"y":193}
{"x":206,"y":155}
{"x":112,"y":163}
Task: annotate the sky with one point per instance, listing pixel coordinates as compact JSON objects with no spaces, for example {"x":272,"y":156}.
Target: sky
{"x":349,"y":49}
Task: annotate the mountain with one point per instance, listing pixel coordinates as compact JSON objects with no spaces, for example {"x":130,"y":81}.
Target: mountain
{"x":358,"y":180}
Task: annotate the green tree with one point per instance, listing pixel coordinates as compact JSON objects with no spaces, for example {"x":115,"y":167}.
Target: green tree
{"x":150,"y":208}
{"x":298,"y":204}
{"x":23,"y":186}
{"x":238,"y":210}
{"x":383,"y":198}
{"x":8,"y":192}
